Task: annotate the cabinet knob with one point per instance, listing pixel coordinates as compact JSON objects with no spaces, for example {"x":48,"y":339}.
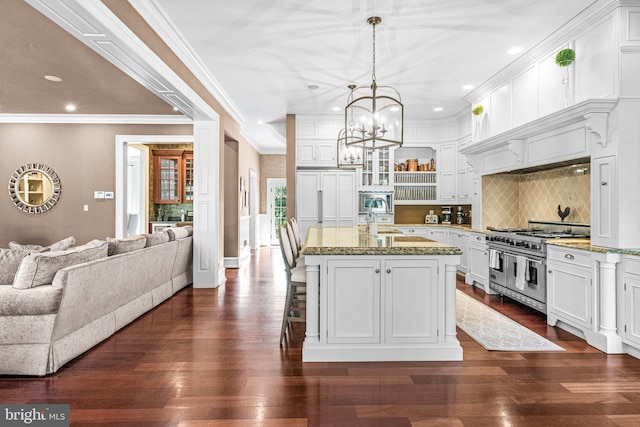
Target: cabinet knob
{"x":603,"y":183}
{"x":388,"y":270}
{"x":550,"y":271}
{"x":569,"y":256}
{"x":377,"y":270}
{"x":478,"y":238}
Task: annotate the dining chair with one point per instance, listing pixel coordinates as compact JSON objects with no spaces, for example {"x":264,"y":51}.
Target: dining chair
{"x":296,"y":232}
{"x":297,"y":256}
{"x":295,"y":300}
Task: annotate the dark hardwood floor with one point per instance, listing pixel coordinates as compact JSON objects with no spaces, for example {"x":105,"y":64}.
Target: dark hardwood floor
{"x":211,"y":357}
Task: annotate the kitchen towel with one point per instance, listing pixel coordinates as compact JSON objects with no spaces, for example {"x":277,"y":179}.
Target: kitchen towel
{"x":494,"y":259}
{"x":521,"y":266}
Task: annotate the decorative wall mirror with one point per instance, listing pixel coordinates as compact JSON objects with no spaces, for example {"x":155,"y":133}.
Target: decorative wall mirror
{"x":34,"y":188}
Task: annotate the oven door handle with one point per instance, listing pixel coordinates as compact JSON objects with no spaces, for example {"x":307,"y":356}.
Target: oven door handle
{"x":511,"y":255}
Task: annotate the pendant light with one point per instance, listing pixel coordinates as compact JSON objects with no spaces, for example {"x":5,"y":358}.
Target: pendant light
{"x":374,"y":114}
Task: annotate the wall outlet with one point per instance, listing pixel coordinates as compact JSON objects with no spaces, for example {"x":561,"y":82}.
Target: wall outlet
{"x":98,"y":194}
{"x":86,"y":208}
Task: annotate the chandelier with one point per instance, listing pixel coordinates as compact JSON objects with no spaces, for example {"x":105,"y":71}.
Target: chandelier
{"x":373,"y":117}
{"x":350,"y":154}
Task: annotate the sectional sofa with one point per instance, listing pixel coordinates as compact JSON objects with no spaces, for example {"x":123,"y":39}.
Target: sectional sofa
{"x":61,"y":303}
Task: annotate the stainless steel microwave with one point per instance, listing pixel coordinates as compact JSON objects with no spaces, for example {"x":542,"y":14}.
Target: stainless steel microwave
{"x":378,"y":202}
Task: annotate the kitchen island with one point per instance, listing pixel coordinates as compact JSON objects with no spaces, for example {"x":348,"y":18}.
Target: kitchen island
{"x":384,"y":297}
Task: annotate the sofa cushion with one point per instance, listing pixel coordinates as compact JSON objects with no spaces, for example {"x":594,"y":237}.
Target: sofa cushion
{"x":126,"y":244}
{"x":39,"y":269}
{"x":61,"y":245}
{"x":9,"y":262}
{"x":156,"y":238}
{"x":176,"y":233}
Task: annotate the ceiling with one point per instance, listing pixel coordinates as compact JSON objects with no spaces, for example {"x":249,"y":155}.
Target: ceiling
{"x":266,"y":55}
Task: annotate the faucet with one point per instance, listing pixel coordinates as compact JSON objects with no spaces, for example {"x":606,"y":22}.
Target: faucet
{"x":372,"y":227}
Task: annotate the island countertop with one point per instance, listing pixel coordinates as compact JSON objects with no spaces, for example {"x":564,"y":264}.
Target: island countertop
{"x":356,"y":241}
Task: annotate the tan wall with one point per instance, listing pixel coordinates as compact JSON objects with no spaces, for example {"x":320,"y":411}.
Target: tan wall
{"x":84,"y":157}
{"x":511,"y":200}
{"x":249,"y":159}
{"x":271,"y":166}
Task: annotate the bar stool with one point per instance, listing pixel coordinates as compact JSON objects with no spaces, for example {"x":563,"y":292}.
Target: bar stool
{"x":295,"y":301}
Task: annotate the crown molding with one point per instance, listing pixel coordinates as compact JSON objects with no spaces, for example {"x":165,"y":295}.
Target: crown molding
{"x":157,"y":18}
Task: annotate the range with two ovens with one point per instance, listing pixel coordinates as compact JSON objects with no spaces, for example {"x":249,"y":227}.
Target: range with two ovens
{"x":518,"y":259}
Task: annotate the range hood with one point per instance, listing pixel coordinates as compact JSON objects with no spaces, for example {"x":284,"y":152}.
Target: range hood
{"x":583,"y":162}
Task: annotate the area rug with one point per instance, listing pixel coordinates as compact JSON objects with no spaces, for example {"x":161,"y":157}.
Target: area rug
{"x":494,"y":331}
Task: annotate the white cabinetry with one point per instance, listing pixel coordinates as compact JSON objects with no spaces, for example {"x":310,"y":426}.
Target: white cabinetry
{"x":603,"y":201}
{"x":464,"y":180}
{"x":569,"y":287}
{"x":439,"y":234}
{"x":581,"y":295}
{"x":416,"y":187}
{"x":408,"y":313}
{"x":460,"y":239}
{"x":478,"y":261}
{"x":377,"y":168}
{"x":421,"y":231}
{"x":316,"y":153}
{"x":631,"y":295}
{"x":447,"y":172}
{"x":325,"y":198}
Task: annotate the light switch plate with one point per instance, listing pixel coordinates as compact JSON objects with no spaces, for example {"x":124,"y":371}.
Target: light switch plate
{"x":108,"y":194}
{"x":98,"y":194}
{"x":86,"y":208}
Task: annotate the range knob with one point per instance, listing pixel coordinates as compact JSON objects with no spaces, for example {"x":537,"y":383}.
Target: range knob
{"x":526,"y":245}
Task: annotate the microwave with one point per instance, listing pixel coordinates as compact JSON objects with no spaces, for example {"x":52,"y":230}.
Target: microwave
{"x":377,"y":202}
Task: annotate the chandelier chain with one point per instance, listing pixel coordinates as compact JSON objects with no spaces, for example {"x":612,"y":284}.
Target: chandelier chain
{"x":373,"y":74}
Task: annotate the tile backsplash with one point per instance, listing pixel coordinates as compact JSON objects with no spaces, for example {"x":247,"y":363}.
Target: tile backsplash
{"x":511,"y":200}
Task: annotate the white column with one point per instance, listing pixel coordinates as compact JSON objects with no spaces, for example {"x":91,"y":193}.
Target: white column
{"x":206,"y":205}
{"x":607,"y":272}
{"x":450,"y":302}
{"x":312,"y":334}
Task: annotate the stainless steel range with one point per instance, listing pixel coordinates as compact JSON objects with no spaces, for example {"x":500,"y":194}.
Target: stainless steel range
{"x":518,"y":259}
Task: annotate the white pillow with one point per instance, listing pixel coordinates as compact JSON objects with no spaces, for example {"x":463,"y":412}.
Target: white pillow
{"x":9,"y":262}
{"x":61,"y":245}
{"x":126,"y":244}
{"x":39,"y":269}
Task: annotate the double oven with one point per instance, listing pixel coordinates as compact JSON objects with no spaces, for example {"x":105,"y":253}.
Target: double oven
{"x":518,"y":267}
{"x":518,"y":259}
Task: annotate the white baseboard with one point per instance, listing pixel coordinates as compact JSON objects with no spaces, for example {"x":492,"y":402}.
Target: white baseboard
{"x":231,"y":262}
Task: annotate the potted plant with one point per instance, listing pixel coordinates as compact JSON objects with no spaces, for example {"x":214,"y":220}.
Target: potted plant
{"x":564,"y":58}
{"x":477,"y":111}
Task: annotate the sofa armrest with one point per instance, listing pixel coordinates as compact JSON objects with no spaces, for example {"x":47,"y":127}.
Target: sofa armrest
{"x":34,"y":301}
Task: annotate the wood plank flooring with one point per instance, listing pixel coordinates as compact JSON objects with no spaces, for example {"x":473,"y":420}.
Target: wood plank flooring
{"x":211,"y":357}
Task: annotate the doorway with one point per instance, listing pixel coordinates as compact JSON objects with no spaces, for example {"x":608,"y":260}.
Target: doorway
{"x":276,"y":206}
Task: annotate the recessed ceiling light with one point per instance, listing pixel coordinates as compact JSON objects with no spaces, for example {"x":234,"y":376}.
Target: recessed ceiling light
{"x":515,"y":50}
{"x":313,"y":87}
{"x":175,"y":108}
{"x":260,"y":122}
{"x":53,"y":78}
{"x":438,"y":109}
{"x":70,"y":107}
{"x":468,"y":87}
{"x":336,"y":108}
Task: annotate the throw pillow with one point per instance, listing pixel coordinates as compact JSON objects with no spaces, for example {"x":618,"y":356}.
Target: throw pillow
{"x":126,"y":244}
{"x":156,"y":238}
{"x":9,"y":262}
{"x":176,"y":233}
{"x":61,"y":245}
{"x":39,"y":269}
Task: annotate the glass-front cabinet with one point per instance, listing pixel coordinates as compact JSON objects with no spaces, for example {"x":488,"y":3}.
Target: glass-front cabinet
{"x":377,"y":169}
{"x":415,"y":176}
{"x":173,"y":176}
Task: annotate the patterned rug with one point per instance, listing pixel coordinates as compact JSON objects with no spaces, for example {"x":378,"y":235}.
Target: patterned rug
{"x":494,"y":331}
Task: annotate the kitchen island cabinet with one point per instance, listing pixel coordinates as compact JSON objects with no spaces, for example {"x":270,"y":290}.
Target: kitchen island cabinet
{"x":384,"y":297}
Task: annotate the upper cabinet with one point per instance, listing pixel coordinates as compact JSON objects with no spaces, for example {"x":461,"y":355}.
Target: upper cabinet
{"x":377,"y":169}
{"x":316,"y":141}
{"x":172,"y":176}
{"x":316,"y":153}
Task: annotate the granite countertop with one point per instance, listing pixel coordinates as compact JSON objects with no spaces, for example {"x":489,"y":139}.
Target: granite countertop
{"x":585,"y":245}
{"x":356,"y":241}
{"x":466,"y":227}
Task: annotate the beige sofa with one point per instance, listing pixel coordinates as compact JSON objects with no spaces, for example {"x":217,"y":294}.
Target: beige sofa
{"x":45,"y":326}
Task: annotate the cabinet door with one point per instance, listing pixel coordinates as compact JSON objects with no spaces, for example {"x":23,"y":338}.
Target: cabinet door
{"x":476,"y":203}
{"x":167,"y":179}
{"x":632,"y":309}
{"x":447,"y":178}
{"x":306,"y":153}
{"x":353,"y":301}
{"x":603,"y":187}
{"x":478,"y":259}
{"x":347,"y":195}
{"x":187,"y":173}
{"x":569,"y":293}
{"x":459,"y":239}
{"x":307,"y":200}
{"x":411,"y":301}
{"x":330,"y":207}
{"x":439,"y":234}
{"x":326,"y":154}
